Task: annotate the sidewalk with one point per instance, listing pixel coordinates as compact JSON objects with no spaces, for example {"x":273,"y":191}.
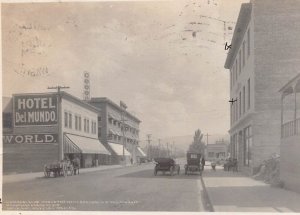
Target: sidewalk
{"x":30,"y":176}
{"x":235,"y":192}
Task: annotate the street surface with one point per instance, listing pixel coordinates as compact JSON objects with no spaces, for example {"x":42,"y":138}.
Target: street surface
{"x":132,"y":188}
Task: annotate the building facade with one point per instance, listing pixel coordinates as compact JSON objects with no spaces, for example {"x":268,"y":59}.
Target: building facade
{"x":117,"y":128}
{"x":290,"y":135}
{"x":42,"y":128}
{"x":264,"y":55}
{"x":217,"y":151}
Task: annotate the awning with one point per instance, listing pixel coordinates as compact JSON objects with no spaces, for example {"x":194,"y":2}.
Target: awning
{"x":118,"y":149}
{"x":86,"y":145}
{"x":140,"y":152}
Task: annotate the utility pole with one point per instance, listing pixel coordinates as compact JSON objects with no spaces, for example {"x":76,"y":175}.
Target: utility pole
{"x":59,"y":121}
{"x":123,"y":107}
{"x":207,"y":138}
{"x":159,"y":148}
{"x":149,"y":143}
{"x":168,"y":150}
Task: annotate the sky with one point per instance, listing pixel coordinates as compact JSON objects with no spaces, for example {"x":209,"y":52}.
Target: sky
{"x":164,"y":59}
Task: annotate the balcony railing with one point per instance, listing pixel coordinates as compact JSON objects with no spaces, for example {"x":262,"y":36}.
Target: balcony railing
{"x":291,"y":128}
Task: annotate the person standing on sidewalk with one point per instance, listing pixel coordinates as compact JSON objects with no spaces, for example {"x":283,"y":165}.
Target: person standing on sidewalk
{"x":203,"y":163}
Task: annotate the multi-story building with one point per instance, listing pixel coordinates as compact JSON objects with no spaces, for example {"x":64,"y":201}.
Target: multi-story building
{"x":39,"y":129}
{"x":117,"y":128}
{"x":290,"y":134}
{"x":264,"y":55}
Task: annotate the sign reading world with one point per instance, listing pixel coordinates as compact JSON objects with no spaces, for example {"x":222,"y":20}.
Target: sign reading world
{"x":40,"y":109}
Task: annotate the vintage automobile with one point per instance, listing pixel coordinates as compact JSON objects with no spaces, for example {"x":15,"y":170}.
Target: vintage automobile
{"x":166,"y":165}
{"x":193,"y":163}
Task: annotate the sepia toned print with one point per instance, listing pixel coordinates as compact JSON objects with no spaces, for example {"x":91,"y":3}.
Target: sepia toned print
{"x":151,"y":106}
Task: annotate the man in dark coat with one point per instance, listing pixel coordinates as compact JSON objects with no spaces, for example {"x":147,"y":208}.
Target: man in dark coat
{"x":203,"y":163}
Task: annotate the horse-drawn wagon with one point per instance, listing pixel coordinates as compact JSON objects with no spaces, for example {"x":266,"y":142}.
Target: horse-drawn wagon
{"x":60,"y":168}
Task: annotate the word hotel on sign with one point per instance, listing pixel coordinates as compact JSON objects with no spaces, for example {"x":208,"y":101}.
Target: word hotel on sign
{"x":35,"y":103}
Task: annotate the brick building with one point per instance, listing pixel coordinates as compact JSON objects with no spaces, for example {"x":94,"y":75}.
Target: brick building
{"x":118,"y":127}
{"x":42,"y":128}
{"x":265,"y":53}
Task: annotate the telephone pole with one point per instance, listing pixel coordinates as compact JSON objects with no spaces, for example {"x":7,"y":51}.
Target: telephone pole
{"x":159,"y":148}
{"x":149,"y":143}
{"x":123,"y":106}
{"x":207,"y":138}
{"x":59,"y":121}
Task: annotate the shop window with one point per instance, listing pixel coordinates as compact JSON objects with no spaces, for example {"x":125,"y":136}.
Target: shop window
{"x":247,"y":146}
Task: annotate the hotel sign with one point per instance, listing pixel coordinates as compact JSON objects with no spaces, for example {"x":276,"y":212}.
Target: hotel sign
{"x":30,"y":138}
{"x":39,"y":109}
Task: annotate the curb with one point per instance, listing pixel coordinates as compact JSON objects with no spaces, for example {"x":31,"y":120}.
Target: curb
{"x":41,"y":175}
{"x":208,"y":206}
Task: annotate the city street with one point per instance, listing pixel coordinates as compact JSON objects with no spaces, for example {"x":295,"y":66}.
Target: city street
{"x":132,"y":188}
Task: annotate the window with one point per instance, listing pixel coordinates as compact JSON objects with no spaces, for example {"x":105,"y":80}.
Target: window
{"x":244,"y":46}
{"x":248,"y":39}
{"x":249,"y":94}
{"x":244,"y":100}
{"x":240,"y":104}
{"x":240,"y":62}
{"x":247,"y":145}
{"x":211,"y":154}
{"x":84,"y":124}
{"x":70,"y":120}
{"x":99,"y":132}
{"x":99,"y":118}
{"x":236,"y":68}
{"x":88,"y":126}
{"x":66,"y":119}
{"x":236,"y":110}
{"x":79,"y":123}
{"x":76,"y":122}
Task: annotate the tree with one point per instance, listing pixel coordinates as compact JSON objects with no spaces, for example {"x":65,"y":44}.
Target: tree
{"x":198,"y":145}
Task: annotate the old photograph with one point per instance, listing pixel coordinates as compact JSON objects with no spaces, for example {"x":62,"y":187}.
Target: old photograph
{"x":151,"y":106}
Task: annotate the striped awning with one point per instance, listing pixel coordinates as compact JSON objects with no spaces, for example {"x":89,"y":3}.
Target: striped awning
{"x":118,"y":149}
{"x":79,"y":144}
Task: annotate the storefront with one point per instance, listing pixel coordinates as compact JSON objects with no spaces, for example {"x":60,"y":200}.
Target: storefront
{"x":47,"y":128}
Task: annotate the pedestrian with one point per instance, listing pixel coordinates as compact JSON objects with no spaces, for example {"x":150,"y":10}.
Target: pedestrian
{"x":76,"y":163}
{"x":131,"y":161}
{"x":203,"y":163}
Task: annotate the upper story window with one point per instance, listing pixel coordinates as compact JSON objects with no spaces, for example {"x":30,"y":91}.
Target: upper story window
{"x":66,"y":119}
{"x":249,"y":93}
{"x":244,"y":60}
{"x":70,"y":120}
{"x":76,"y":122}
{"x":240,"y":62}
{"x":99,"y":118}
{"x":248,"y":41}
{"x":244,"y":100}
{"x":79,"y":123}
{"x":236,"y":69}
